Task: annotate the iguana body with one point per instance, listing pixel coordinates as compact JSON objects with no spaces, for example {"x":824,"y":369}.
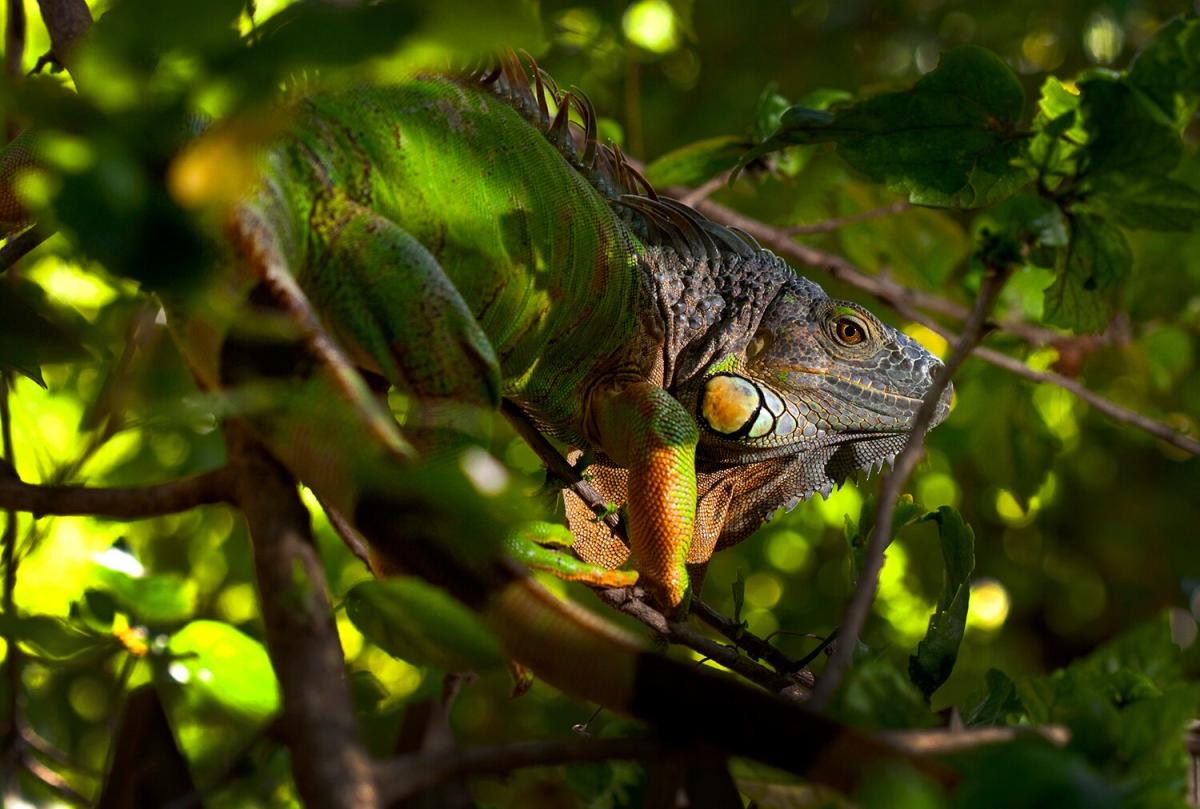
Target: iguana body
{"x":462,"y":243}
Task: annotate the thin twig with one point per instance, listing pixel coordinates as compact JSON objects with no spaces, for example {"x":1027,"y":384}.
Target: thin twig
{"x":128,"y":503}
{"x":706,"y":190}
{"x":754,"y":646}
{"x":830,"y":225}
{"x":404,"y":777}
{"x":910,"y":303}
{"x":794,"y":686}
{"x":1108,"y":407}
{"x":19,"y":246}
{"x":328,"y":760}
{"x":883,"y":289}
{"x":791,"y":674}
{"x":55,"y":782}
{"x":889,"y":489}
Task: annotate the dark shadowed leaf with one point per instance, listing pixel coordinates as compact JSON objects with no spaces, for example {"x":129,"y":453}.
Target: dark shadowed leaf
{"x":950,"y":141}
{"x":1124,"y":133}
{"x":1167,"y":70}
{"x":1146,"y":202}
{"x":937,"y":652}
{"x":422,"y":624}
{"x":34,"y":332}
{"x":877,"y":694}
{"x":1091,"y":272}
{"x":995,"y":703}
{"x":51,"y":637}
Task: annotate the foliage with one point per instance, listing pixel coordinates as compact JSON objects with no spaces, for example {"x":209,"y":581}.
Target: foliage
{"x":1060,"y":139}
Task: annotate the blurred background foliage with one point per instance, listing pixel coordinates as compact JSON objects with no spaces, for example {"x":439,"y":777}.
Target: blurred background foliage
{"x":1084,"y":528}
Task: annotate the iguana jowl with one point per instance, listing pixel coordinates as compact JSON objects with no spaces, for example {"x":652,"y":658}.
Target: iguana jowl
{"x":462,"y":240}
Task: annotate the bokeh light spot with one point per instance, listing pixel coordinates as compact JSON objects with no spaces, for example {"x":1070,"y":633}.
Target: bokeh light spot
{"x":651,"y":24}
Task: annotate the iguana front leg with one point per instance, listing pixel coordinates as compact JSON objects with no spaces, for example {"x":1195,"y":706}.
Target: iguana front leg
{"x":646,"y":430}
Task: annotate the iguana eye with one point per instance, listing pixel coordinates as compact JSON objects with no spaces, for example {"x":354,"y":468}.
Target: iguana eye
{"x":850,"y":331}
{"x":733,"y":406}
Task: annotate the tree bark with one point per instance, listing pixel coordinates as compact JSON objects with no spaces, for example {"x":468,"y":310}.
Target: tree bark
{"x":329,"y":762}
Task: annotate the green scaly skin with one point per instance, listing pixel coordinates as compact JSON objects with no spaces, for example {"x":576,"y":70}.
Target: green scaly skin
{"x":461,"y":244}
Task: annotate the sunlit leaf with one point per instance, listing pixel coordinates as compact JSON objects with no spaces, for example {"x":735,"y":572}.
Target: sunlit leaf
{"x":153,"y":599}
{"x":223,"y":668}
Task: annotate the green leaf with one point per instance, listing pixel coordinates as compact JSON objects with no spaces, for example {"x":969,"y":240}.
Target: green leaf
{"x":1124,"y":133}
{"x":906,"y":513}
{"x":938,"y":651}
{"x":34,"y":332}
{"x":418,"y":622}
{"x":996,"y":703}
{"x":221,"y":667}
{"x":1167,"y":70}
{"x":950,"y":141}
{"x":51,"y":637}
{"x":1021,"y":231}
{"x":1146,"y":202}
{"x":1059,"y":135}
{"x":697,"y":162}
{"x":876,"y":694}
{"x":1090,"y":274}
{"x":154,"y":599}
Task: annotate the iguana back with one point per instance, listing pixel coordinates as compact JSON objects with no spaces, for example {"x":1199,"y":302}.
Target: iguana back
{"x":536,"y":252}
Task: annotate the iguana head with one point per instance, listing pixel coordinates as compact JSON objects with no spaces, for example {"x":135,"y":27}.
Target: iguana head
{"x":820,"y":380}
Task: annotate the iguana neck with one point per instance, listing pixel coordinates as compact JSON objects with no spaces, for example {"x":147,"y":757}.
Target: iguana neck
{"x":705,"y":309}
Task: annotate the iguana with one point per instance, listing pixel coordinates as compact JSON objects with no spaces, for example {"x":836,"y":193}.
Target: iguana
{"x":462,"y":239}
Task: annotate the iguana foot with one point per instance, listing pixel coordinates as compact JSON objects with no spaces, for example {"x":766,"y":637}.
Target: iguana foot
{"x":541,"y":546}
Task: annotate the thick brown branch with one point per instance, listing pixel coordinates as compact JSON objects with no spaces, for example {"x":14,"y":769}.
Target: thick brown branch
{"x":404,"y":777}
{"x":121,"y":503}
{"x":889,"y":489}
{"x":67,"y":21}
{"x":329,"y":763}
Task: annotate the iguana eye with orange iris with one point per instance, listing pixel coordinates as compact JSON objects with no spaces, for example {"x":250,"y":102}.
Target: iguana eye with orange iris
{"x":733,"y":406}
{"x":849,"y":331}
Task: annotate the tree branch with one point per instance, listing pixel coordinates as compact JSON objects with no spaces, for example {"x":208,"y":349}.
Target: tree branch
{"x":404,"y":777}
{"x":909,"y":304}
{"x":68,"y":22}
{"x":883,"y":289}
{"x":793,"y":686}
{"x":791,"y":677}
{"x":830,"y":225}
{"x":120,"y":503}
{"x":881,"y":532}
{"x":19,"y":246}
{"x":329,"y":763}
